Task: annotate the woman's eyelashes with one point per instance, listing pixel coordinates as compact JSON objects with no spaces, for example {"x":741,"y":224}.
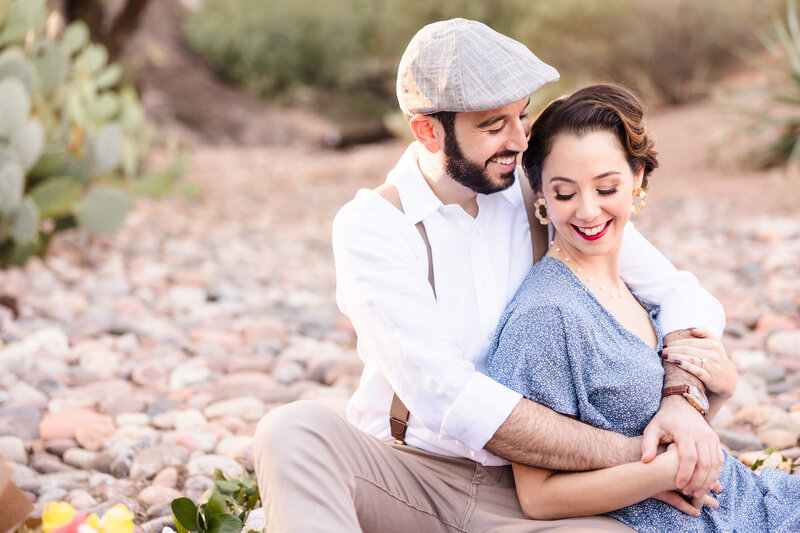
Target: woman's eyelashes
{"x":602,"y":192}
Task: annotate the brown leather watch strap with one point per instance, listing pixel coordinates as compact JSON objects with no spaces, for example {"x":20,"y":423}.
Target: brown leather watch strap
{"x":675,"y":389}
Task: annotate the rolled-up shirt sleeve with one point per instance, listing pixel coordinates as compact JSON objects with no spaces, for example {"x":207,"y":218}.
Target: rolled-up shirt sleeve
{"x":684,"y":302}
{"x":382,"y":286}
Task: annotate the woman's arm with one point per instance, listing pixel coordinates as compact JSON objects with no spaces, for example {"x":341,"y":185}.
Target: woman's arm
{"x":548,"y":495}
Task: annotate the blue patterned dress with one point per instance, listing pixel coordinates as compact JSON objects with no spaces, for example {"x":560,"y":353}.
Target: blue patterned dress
{"x":557,"y":345}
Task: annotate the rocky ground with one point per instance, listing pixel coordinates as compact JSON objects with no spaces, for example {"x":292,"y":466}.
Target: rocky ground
{"x":133,"y":365}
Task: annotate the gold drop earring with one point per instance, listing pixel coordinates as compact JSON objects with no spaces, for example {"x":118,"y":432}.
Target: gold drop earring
{"x":539,"y":206}
{"x":641,"y":194}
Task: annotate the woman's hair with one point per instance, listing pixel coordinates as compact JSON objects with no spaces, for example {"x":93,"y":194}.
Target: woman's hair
{"x":603,"y":107}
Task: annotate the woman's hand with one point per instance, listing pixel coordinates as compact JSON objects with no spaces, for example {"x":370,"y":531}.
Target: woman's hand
{"x":704,"y":356}
{"x":669,"y":462}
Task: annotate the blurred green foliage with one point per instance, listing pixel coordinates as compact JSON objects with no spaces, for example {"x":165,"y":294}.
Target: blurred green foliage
{"x":300,"y":50}
{"x":73,"y":143}
{"x":772,"y":109}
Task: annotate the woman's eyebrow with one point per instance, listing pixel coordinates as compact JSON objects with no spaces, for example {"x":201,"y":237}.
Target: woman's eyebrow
{"x":599,"y":176}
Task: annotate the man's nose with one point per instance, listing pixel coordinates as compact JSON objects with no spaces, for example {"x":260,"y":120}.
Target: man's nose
{"x":518,"y":135}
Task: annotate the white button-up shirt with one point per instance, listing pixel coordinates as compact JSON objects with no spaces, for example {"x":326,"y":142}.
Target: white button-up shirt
{"x":431,"y":350}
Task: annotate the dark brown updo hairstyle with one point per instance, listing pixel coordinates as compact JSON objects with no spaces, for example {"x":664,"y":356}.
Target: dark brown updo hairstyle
{"x":603,"y":107}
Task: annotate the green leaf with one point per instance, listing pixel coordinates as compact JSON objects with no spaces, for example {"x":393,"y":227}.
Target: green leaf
{"x":103,"y":209}
{"x":185,"y":512}
{"x":225,"y":523}
{"x":28,"y":141}
{"x":756,"y":464}
{"x":178,"y":527}
{"x":51,"y":64}
{"x":12,"y":186}
{"x":154,"y":185}
{"x":23,"y":15}
{"x":76,"y":36}
{"x":216,"y":505}
{"x":15,"y":105}
{"x":55,"y":196}
{"x":25,"y":222}
{"x":13,"y":63}
{"x":107,"y":149}
{"x":91,"y":60}
{"x":227,"y":486}
{"x":109,"y":76}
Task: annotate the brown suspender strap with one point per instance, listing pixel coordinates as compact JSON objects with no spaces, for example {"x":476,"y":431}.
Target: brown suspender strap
{"x":398,"y":412}
{"x":539,"y":242}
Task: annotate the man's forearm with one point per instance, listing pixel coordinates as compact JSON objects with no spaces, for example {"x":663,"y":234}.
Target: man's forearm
{"x":537,"y":436}
{"x":674,"y":375}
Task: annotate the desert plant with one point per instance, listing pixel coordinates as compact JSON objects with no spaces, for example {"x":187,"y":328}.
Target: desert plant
{"x":227,"y":505}
{"x":73,"y":147}
{"x":772,"y":109}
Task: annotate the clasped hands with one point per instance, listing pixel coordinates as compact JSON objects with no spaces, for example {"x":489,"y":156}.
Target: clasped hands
{"x":694,"y":442}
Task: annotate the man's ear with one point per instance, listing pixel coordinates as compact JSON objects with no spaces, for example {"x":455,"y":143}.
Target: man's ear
{"x":428,"y":132}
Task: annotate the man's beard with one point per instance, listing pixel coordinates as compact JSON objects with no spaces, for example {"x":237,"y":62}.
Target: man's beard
{"x":469,"y":174}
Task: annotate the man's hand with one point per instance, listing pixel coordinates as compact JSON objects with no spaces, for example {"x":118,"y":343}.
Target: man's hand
{"x":698,"y":445}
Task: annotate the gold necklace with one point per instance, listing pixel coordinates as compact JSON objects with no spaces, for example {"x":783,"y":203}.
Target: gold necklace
{"x":588,"y":280}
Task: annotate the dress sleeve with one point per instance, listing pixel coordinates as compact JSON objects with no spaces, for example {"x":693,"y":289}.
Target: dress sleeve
{"x":382,"y":286}
{"x":532,"y":358}
{"x":684,"y":303}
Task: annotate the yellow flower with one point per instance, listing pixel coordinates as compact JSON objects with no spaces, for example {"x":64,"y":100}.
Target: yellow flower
{"x":55,"y":515}
{"x":118,"y":519}
{"x":93,"y":521}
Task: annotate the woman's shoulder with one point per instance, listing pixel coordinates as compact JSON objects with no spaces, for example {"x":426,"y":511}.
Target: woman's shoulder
{"x":550,"y":284}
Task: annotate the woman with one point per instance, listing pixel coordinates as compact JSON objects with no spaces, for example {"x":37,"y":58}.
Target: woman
{"x":575,"y":339}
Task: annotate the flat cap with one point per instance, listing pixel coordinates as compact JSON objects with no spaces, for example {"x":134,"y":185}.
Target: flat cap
{"x":463,"y":65}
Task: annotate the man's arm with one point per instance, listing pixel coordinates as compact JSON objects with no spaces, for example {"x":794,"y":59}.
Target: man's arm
{"x":382,"y":286}
{"x":537,"y":436}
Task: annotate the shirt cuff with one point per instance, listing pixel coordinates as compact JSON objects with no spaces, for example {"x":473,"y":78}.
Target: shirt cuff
{"x":709,"y":315}
{"x":479,"y":410}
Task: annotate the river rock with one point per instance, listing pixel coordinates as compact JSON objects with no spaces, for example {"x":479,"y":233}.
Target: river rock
{"x":785,"y":343}
{"x":13,"y":449}
{"x":157,"y":494}
{"x":62,"y":425}
{"x":246,"y":407}
{"x":206,"y":464}
{"x":149,"y":462}
{"x":777,"y":437}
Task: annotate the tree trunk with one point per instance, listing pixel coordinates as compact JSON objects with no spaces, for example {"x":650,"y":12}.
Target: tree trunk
{"x":121,"y":29}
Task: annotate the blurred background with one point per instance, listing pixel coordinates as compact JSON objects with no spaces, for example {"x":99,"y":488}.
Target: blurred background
{"x":169,"y":172}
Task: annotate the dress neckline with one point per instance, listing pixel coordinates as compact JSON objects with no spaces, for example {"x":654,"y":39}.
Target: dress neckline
{"x":650,"y":307}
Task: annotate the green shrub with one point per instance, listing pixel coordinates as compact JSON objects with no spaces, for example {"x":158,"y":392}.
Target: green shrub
{"x":663,"y":49}
{"x":771,"y":135}
{"x":72,"y":146}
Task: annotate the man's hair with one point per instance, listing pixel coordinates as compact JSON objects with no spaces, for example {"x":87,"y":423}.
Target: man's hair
{"x":603,"y":107}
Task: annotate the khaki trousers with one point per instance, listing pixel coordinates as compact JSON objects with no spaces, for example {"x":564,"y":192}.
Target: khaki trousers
{"x":317,"y":473}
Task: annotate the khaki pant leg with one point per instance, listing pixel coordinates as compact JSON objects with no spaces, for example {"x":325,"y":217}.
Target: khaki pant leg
{"x":317,"y":473}
{"x":497,"y":510}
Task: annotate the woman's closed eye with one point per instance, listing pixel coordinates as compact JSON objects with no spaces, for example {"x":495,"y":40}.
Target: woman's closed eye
{"x":607,"y":191}
{"x":564,"y":197}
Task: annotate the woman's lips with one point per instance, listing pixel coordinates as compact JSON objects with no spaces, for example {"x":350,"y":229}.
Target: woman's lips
{"x":592,"y":237}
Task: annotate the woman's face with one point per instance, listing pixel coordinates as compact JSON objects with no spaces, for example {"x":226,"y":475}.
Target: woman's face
{"x":588,"y":186}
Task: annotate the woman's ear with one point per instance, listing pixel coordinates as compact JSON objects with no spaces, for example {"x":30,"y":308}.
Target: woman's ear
{"x":428,"y":132}
{"x":638,"y":178}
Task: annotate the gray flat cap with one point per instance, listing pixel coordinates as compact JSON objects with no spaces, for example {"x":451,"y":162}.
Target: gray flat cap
{"x":462,"y":65}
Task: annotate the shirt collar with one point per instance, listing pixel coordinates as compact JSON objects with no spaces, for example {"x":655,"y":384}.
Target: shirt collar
{"x":416,"y":196}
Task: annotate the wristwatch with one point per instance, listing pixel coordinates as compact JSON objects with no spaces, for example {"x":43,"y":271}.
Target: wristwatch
{"x":692,"y":394}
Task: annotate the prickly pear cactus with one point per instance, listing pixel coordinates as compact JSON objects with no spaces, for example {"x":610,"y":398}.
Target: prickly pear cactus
{"x":73,"y":145}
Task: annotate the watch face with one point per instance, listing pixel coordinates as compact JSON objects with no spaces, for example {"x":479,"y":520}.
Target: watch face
{"x":698,"y":397}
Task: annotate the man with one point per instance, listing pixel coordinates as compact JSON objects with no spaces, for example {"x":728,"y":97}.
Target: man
{"x":425,"y":299}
